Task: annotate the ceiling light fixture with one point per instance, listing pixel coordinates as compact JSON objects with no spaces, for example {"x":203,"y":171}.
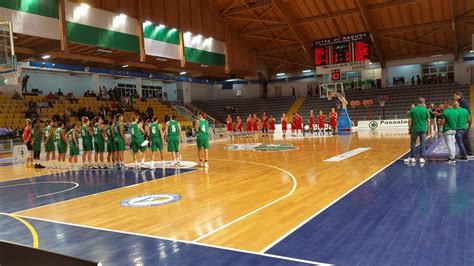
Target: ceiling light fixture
{"x":281,"y":74}
{"x":46,"y":56}
{"x":183,"y":73}
{"x":125,"y":66}
{"x":103,"y":51}
{"x":306,"y":71}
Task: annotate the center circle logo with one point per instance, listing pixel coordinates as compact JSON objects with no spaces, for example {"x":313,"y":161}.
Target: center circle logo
{"x":150,"y":200}
{"x":373,"y":125}
{"x":261,"y":147}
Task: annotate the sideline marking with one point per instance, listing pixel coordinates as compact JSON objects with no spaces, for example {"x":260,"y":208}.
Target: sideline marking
{"x":329,"y":205}
{"x":295,"y":183}
{"x":346,"y":155}
{"x":48,"y":182}
{"x":32,"y":230}
{"x":176,"y":240}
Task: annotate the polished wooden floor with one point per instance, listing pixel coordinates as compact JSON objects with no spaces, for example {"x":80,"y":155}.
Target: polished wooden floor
{"x":245,"y":200}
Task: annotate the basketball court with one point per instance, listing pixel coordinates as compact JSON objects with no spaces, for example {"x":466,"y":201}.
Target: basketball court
{"x":345,"y":198}
{"x":282,"y":206}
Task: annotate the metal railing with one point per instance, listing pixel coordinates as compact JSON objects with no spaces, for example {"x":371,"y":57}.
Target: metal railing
{"x":6,"y":145}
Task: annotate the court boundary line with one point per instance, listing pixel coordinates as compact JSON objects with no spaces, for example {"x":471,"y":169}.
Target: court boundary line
{"x":95,"y":194}
{"x":274,"y":243}
{"x":172,"y":239}
{"x":295,"y":184}
{"x":34,"y":234}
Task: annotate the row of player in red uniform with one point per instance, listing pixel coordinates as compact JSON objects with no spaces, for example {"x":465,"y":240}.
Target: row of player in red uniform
{"x":268,"y":122}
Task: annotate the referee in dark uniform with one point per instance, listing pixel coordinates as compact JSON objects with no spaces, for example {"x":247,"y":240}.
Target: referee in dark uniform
{"x":463,"y":103}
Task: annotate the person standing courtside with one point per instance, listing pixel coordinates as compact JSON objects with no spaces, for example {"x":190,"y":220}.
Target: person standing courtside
{"x":418,"y":125}
{"x":461,"y":127}
{"x":202,"y":139}
{"x":463,"y":103}
{"x":449,"y":120}
{"x":173,"y":132}
{"x":49,"y":143}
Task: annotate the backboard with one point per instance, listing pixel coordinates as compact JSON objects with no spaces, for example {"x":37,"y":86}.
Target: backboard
{"x":332,"y":90}
{"x":7,"y":50}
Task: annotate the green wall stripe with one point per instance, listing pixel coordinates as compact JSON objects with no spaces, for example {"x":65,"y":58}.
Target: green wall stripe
{"x":204,"y":57}
{"x":47,"y":8}
{"x":161,"y":34}
{"x":90,"y":35}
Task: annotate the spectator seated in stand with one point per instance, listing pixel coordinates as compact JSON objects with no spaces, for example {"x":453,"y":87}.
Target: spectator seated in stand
{"x":16,"y":96}
{"x":70,"y":97}
{"x":7,"y":132}
{"x":56,"y":117}
{"x":230,"y":109}
{"x":149,"y":112}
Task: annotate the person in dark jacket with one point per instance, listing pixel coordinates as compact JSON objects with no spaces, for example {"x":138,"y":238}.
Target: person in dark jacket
{"x":463,"y":103}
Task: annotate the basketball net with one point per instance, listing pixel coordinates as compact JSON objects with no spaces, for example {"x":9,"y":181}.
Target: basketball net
{"x":329,"y":95}
{"x":12,"y":77}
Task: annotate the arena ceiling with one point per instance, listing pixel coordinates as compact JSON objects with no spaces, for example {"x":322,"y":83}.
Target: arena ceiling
{"x":282,"y":31}
{"x":279,"y":32}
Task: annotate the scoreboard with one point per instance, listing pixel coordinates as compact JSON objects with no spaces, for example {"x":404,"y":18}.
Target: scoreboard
{"x":344,"y":49}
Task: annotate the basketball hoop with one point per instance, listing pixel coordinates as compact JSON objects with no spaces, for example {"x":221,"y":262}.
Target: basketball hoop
{"x":329,"y":94}
{"x":12,"y":77}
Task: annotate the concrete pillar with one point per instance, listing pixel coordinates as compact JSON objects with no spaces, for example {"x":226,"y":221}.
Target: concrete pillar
{"x":95,"y":83}
{"x":138,"y":85}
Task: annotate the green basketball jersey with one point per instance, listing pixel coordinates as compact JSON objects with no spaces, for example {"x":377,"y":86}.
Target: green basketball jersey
{"x":97,"y":132}
{"x":135,"y":132}
{"x":37,"y":134}
{"x":173,"y":129}
{"x":109,"y":134}
{"x":47,"y":131}
{"x":85,"y":133}
{"x":117,"y":130}
{"x":155,"y":130}
{"x":57,"y":134}
{"x":203,"y":130}
{"x":72,"y":138}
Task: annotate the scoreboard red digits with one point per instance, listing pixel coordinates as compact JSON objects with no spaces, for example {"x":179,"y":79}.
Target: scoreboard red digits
{"x":345,"y":49}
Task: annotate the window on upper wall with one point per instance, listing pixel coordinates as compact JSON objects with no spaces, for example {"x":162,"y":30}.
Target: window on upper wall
{"x":152,"y":91}
{"x":126,"y":89}
{"x":437,"y":72}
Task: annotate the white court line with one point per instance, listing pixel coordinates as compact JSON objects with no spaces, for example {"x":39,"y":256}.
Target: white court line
{"x":346,"y":155}
{"x":332,"y":203}
{"x":174,"y":240}
{"x":295,"y":183}
{"x":48,"y":182}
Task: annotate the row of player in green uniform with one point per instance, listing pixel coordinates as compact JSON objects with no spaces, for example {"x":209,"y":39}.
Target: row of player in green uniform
{"x":98,"y":133}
